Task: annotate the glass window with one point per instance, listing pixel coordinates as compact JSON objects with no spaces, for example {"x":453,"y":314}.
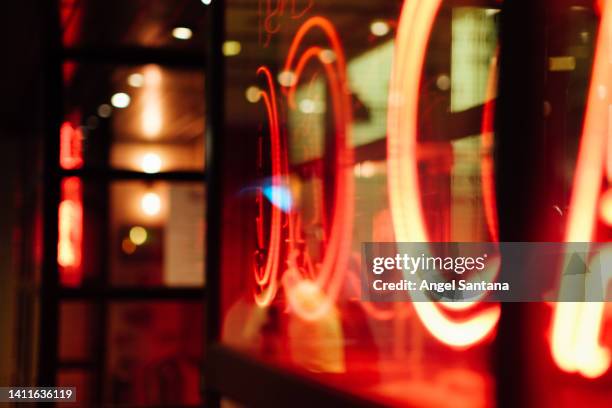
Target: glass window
{"x":143,"y":118}
{"x":144,"y":233}
{"x":157,"y":231}
{"x":314,"y":98}
{"x":164,"y":24}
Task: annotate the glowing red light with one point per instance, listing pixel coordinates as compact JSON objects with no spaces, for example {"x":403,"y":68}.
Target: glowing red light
{"x":300,"y":275}
{"x":70,"y":231}
{"x":605,"y":207}
{"x":71,"y":147}
{"x":268,"y":281}
{"x":414,"y":29}
{"x":333,"y":267}
{"x":487,"y":164}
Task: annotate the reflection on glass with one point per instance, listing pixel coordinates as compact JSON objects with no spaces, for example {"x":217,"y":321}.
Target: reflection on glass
{"x":154,"y":24}
{"x":145,"y":118}
{"x":142,"y":233}
{"x":157,"y":234}
{"x":318,"y":91}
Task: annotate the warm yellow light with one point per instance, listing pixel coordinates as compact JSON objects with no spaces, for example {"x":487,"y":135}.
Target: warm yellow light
{"x":327,"y":56}
{"x":151,"y":101}
{"x":120,"y":100}
{"x":605,"y":207}
{"x":151,"y":163}
{"x":286,"y":78}
{"x":151,"y":120}
{"x":231,"y":48}
{"x":253,"y":94}
{"x":150,"y":204}
{"x":138,"y":235}
{"x":379,"y":28}
{"x":182,"y":33}
{"x":443,"y":82}
{"x":307,"y":105}
{"x":152,"y":76}
{"x":135,"y":80}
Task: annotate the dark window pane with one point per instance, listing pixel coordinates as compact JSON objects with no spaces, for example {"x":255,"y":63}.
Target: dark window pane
{"x":83,"y":381}
{"x":154,"y":353}
{"x":79,"y":326}
{"x":151,"y":24}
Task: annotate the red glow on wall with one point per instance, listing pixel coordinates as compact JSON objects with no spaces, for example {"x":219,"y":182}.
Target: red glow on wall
{"x":71,"y":147}
{"x":414,"y":29}
{"x":576,"y":326}
{"x":70,"y":231}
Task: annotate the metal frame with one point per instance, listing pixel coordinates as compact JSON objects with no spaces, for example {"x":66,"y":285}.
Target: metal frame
{"x":49,"y":299}
{"x":523,"y":42}
{"x":215,"y":111}
{"x":51,"y":292}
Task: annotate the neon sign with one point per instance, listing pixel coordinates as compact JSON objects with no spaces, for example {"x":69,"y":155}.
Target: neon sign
{"x":302,"y":274}
{"x":71,"y":147}
{"x":576,"y":326}
{"x":269,"y":16}
{"x":70,"y":212}
{"x":414,"y":29}
{"x":267,"y":279}
{"x":70,"y":231}
{"x":328,"y":277}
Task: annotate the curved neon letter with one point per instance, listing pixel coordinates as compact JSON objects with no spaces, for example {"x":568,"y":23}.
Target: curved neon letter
{"x":268,"y":280}
{"x":576,"y":326}
{"x":335,"y":261}
{"x":411,"y":42}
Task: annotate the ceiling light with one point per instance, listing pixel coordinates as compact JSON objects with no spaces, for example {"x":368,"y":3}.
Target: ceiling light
{"x":136,"y":80}
{"x":151,"y":163}
{"x":138,"y":235}
{"x":206,"y":2}
{"x":253,"y":94}
{"x":286,"y":78}
{"x":120,"y":100}
{"x":379,"y":28}
{"x":150,"y":204}
{"x":182,"y":33}
{"x":231,"y":48}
